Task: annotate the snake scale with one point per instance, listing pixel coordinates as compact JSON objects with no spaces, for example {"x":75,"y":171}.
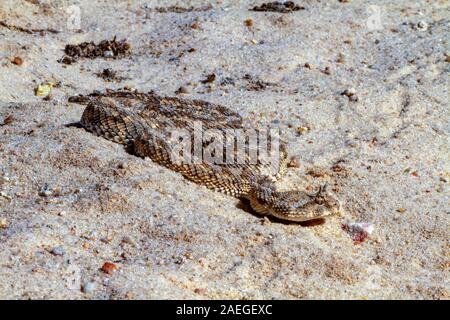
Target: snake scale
{"x":144,"y":123}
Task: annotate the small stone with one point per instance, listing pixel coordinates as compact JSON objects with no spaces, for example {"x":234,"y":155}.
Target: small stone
{"x":17,"y":61}
{"x":62,"y":213}
{"x":199,"y":290}
{"x":5,"y":195}
{"x":127,"y":239}
{"x":109,"y":268}
{"x":350,"y":94}
{"x":248,"y":22}
{"x":123,"y":165}
{"x":183,"y":90}
{"x":302,"y":130}
{"x":86,"y":245}
{"x":91,"y":235}
{"x":8,"y":120}
{"x":327,"y":70}
{"x":3,"y":223}
{"x":195,"y":25}
{"x":354,"y":98}
{"x":45,"y":193}
{"x":88,"y":287}
{"x":422,"y":25}
{"x":108,"y":54}
{"x":107,"y":239}
{"x":58,"y":251}
{"x":209,"y":78}
{"x":43,"y":90}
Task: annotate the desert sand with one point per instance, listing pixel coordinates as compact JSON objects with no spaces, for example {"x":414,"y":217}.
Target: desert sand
{"x":359,"y":90}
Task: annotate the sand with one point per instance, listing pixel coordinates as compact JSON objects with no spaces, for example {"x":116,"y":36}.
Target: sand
{"x":71,"y":201}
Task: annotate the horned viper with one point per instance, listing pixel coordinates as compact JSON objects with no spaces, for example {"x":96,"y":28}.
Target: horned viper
{"x":145,"y":123}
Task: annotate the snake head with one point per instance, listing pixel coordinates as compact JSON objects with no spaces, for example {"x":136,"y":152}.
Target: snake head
{"x":296,"y":205}
{"x":325,"y":202}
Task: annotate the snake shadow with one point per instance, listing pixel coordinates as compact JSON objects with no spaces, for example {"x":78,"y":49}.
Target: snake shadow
{"x":244,"y":205}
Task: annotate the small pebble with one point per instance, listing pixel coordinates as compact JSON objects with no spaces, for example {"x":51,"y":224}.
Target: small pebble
{"x":183,"y":90}
{"x":340,"y":58}
{"x":109,"y":268}
{"x":88,"y":287}
{"x":108,"y":54}
{"x":422,"y":25}
{"x":248,"y":22}
{"x":5,"y":195}
{"x":45,"y":193}
{"x":351,"y":94}
{"x":58,"y":251}
{"x":302,"y":130}
{"x":7,"y":120}
{"x":17,"y":61}
{"x":127,"y":239}
{"x":209,"y":78}
{"x":123,"y":165}
{"x":3,"y":223}
{"x":199,"y":290}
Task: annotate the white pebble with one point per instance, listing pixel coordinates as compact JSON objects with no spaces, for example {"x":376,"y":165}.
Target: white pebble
{"x":58,"y":251}
{"x":88,"y":287}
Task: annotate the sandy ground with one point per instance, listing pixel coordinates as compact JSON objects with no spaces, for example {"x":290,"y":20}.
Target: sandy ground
{"x":71,"y":201}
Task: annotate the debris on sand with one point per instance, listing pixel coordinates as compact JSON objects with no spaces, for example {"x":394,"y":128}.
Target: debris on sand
{"x":254,"y":84}
{"x":109,"y":74}
{"x":7,"y":121}
{"x":177,"y":9}
{"x":26,"y":30}
{"x":358,"y":231}
{"x":17,"y":61}
{"x":276,"y":6}
{"x":88,"y":287}
{"x":209,"y":78}
{"x":350,"y":94}
{"x":106,"y":48}
{"x":57,"y":251}
{"x":43,"y":90}
{"x":109,"y":268}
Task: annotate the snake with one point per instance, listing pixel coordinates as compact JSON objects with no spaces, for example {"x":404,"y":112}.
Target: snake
{"x":152,"y":126}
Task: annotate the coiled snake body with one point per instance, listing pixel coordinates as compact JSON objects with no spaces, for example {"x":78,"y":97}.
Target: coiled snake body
{"x":145,"y":123}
